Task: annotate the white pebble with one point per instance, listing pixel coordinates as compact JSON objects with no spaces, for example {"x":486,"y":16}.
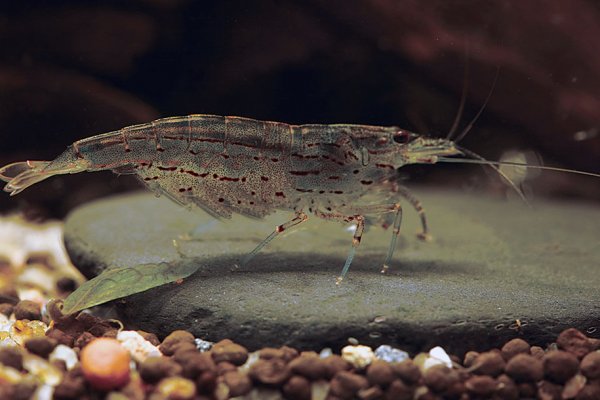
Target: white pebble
{"x":437,"y":356}
{"x":390,"y":354}
{"x":360,"y":356}
{"x":64,"y":353}
{"x":138,"y":347}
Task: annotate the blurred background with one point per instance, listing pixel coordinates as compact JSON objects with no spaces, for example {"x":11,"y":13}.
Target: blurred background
{"x":72,"y":69}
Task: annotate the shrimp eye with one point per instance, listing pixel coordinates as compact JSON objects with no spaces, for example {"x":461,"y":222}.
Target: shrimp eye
{"x":402,"y":137}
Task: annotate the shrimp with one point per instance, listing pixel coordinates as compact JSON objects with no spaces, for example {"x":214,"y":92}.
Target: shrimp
{"x":226,"y":165}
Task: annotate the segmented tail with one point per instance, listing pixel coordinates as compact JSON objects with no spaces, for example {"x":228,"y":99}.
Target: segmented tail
{"x":20,"y":175}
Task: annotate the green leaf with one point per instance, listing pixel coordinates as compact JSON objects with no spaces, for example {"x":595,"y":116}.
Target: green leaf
{"x":115,"y":283}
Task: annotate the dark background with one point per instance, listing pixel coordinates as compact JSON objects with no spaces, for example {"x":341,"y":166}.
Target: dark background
{"x":72,"y":69}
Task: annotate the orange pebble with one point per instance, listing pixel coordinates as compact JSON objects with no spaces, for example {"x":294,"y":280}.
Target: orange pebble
{"x":105,"y":364}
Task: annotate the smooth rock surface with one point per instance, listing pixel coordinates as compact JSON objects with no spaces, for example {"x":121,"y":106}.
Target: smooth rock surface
{"x":490,"y":264}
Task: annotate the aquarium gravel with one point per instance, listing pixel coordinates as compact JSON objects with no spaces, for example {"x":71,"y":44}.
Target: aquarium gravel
{"x":46,"y":355}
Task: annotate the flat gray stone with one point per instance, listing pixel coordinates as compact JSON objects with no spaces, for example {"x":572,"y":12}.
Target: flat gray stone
{"x":491,"y":263}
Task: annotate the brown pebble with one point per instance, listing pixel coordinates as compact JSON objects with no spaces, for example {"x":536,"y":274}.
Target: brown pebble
{"x":66,"y":284}
{"x":372,"y":393}
{"x":537,"y":352}
{"x":589,"y":392}
{"x":527,"y":390}
{"x":590,"y":365}
{"x":470,"y":358}
{"x":60,"y":336}
{"x":72,"y":386}
{"x":380,"y":373}
{"x":481,"y":385}
{"x":224,"y":367}
{"x":346,"y":384}
{"x":8,"y":294}
{"x":238,"y":383}
{"x":489,"y":363}
{"x":41,"y":345}
{"x":574,"y":342}
{"x":11,"y":357}
{"x":153,"y":369}
{"x":285,"y":353}
{"x":525,"y":368}
{"x":167,"y":347}
{"x":506,"y":389}
{"x":151,"y":337}
{"x":514,"y":347}
{"x":398,"y":390}
{"x":297,"y":388}
{"x":309,"y":365}
{"x":560,"y":366}
{"x":197,"y":363}
{"x":439,"y":378}
{"x":272,"y":372}
{"x":335,"y":364}
{"x":184,"y":350}
{"x":6,"y":309}
{"x":83,"y":340}
{"x":27,"y":309}
{"x":206,"y":382}
{"x":226,"y":350}
{"x":549,"y":391}
{"x":23,"y":390}
{"x":407,"y":371}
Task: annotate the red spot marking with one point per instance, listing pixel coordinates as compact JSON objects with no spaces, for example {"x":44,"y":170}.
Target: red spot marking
{"x":207,"y":140}
{"x":385,"y":166}
{"x":264,"y":178}
{"x":355,"y":171}
{"x":328,"y":208}
{"x":253,"y":193}
{"x":243,"y":179}
{"x":251,"y":203}
{"x":167,"y":168}
{"x":193,"y":152}
{"x":280,"y":229}
{"x":221,"y":199}
{"x":336,"y":191}
{"x":321,"y":191}
{"x":256,"y":158}
{"x":366,"y":182}
{"x":274,"y":159}
{"x":304,"y":190}
{"x":280,"y":194}
{"x":127,"y":150}
{"x":193,"y":173}
{"x":204,"y":175}
{"x":175,"y":137}
{"x":215,"y":176}
{"x":334,"y":177}
{"x":160,"y":149}
{"x":304,"y":173}
{"x":239,"y":202}
{"x":225,"y":156}
{"x":313,"y":144}
{"x":225,"y":178}
{"x":182,"y":190}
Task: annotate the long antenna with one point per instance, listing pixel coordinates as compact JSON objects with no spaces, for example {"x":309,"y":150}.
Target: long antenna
{"x":463,"y":97}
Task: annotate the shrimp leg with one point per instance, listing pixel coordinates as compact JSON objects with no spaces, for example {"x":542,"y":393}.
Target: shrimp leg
{"x":416,"y":203}
{"x":298,"y":219}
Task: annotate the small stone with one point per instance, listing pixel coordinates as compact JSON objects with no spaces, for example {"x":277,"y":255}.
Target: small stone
{"x":176,"y":388}
{"x":184,"y":347}
{"x":574,"y":386}
{"x":589,"y":392}
{"x":105,"y":364}
{"x":346,"y":384}
{"x":359,"y":356}
{"x":72,"y":386}
{"x":407,"y":371}
{"x":239,"y":384}
{"x":153,"y":369}
{"x":390,"y":354}
{"x":9,"y":295}
{"x":226,"y":350}
{"x":66,"y":284}
{"x":372,"y":393}
{"x":527,"y":390}
{"x":470,"y":358}
{"x":438,"y":378}
{"x":196,"y":363}
{"x":272,"y":372}
{"x":489,"y":363}
{"x":167,"y":347}
{"x":398,"y":390}
{"x":525,"y":368}
{"x":514,"y":347}
{"x":380,"y":373}
{"x":11,"y":357}
{"x":60,"y":337}
{"x":151,"y":337}
{"x":6,"y":309}
{"x":23,"y":391}
{"x":537,"y":352}
{"x":27,"y":309}
{"x":41,"y":345}
{"x":224,"y":367}
{"x":481,"y":386}
{"x":549,"y":391}
{"x":65,"y":354}
{"x":335,"y":364}
{"x":590,"y":365}
{"x":206,"y":382}
{"x":574,"y":342}
{"x":297,"y":388}
{"x":560,"y":366}
{"x":138,"y":347}
{"x":309,"y":365}
{"x":506,"y":389}
{"x":83,"y":340}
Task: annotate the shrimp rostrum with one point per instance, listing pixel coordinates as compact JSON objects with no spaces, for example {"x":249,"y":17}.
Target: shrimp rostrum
{"x":228,"y":165}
